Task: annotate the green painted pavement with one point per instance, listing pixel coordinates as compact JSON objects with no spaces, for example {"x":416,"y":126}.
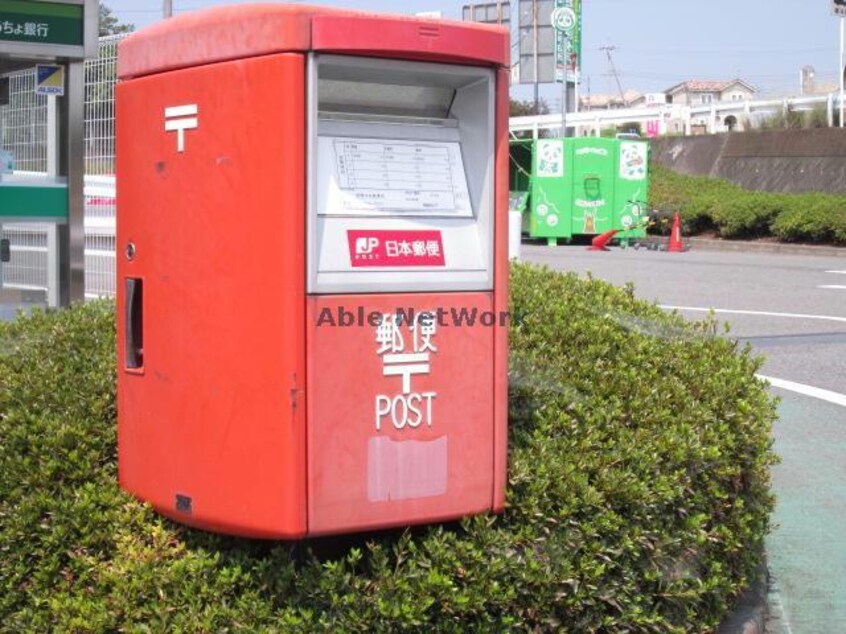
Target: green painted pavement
{"x":807,"y":548}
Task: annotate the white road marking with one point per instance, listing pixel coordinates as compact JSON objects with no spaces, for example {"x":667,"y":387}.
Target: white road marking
{"x":778,"y":607}
{"x":834,"y":287}
{"x":806,"y":390}
{"x":799,"y":388}
{"x":761,"y":313}
{"x":837,"y":272}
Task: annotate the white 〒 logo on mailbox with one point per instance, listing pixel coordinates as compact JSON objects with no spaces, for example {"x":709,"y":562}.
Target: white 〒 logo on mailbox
{"x":181,"y":118}
{"x":409,"y":409}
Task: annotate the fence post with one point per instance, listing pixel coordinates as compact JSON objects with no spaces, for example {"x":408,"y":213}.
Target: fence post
{"x":53,"y":167}
{"x":53,"y":262}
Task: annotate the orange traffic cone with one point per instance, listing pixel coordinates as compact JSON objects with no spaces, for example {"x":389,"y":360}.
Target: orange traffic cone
{"x":599,"y":243}
{"x":676,"y":245}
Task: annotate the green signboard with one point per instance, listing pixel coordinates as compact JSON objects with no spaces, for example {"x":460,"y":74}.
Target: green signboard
{"x":567,"y":22}
{"x":35,"y":22}
{"x":28,"y":202}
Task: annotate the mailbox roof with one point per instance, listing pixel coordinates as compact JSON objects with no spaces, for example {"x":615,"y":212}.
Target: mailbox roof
{"x":249,"y":30}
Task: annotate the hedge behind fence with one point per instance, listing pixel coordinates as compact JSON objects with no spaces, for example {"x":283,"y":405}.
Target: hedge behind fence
{"x":638,"y":495}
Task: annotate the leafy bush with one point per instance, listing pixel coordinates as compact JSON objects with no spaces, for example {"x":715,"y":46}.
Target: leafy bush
{"x":710,"y":204}
{"x":784,"y":120}
{"x":813,"y":218}
{"x":746,"y":215}
{"x":796,"y":120}
{"x":638,"y":494}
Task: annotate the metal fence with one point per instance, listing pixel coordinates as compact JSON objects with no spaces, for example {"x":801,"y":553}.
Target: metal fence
{"x":28,"y":267}
{"x":23,"y":132}
{"x":100,"y":80}
{"x":23,"y":123}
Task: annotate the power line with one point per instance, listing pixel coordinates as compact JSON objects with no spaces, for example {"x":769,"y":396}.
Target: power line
{"x":608,"y":50}
{"x":723,"y":51}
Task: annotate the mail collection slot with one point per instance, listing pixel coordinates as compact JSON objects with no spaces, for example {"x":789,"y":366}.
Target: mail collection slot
{"x":312,"y":220}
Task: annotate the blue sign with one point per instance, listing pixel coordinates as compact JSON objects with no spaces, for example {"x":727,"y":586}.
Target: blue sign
{"x":50,"y":80}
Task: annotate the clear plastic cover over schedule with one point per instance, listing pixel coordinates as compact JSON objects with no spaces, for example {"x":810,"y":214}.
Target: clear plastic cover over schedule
{"x":379,"y":176}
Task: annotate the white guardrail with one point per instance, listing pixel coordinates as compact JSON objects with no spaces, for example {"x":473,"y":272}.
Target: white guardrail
{"x":671,"y":118}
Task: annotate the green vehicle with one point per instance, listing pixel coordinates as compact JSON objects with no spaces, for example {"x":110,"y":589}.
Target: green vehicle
{"x":580,"y":186}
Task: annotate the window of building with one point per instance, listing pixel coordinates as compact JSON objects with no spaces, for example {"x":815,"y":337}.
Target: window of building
{"x":707,"y":98}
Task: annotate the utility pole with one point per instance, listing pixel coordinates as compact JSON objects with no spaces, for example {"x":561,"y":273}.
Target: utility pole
{"x":565,"y":92}
{"x":167,"y":9}
{"x":839,"y":9}
{"x":840,"y":65}
{"x":608,"y":50}
{"x":535,"y":48}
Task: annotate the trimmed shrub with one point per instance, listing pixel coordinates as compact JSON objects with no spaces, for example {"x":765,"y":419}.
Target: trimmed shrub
{"x":747,"y":214}
{"x":638,"y":494}
{"x":813,"y":218}
{"x":708,"y":204}
{"x":696,"y":198}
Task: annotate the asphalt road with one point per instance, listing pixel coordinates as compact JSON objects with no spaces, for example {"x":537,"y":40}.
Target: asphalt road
{"x":792,"y":310}
{"x":801,"y":349}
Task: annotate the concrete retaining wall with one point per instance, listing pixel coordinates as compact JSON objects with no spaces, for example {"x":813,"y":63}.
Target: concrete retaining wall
{"x":778,"y":161}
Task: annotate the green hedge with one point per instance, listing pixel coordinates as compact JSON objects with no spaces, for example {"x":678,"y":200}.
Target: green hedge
{"x":638,"y":494}
{"x":708,"y":204}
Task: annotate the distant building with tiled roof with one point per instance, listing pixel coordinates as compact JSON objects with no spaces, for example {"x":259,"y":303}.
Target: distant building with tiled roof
{"x":630,"y":99}
{"x":697,"y":92}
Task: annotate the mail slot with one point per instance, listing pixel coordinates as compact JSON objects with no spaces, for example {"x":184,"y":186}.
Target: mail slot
{"x":312,"y":220}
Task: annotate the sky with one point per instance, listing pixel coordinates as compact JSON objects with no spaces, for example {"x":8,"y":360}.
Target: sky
{"x":659,"y":43}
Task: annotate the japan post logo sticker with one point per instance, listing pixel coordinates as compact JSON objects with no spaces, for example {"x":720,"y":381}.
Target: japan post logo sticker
{"x":379,"y":248}
{"x":365,"y":246}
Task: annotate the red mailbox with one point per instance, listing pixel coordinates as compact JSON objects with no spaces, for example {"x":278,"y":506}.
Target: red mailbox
{"x":312,"y":231}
